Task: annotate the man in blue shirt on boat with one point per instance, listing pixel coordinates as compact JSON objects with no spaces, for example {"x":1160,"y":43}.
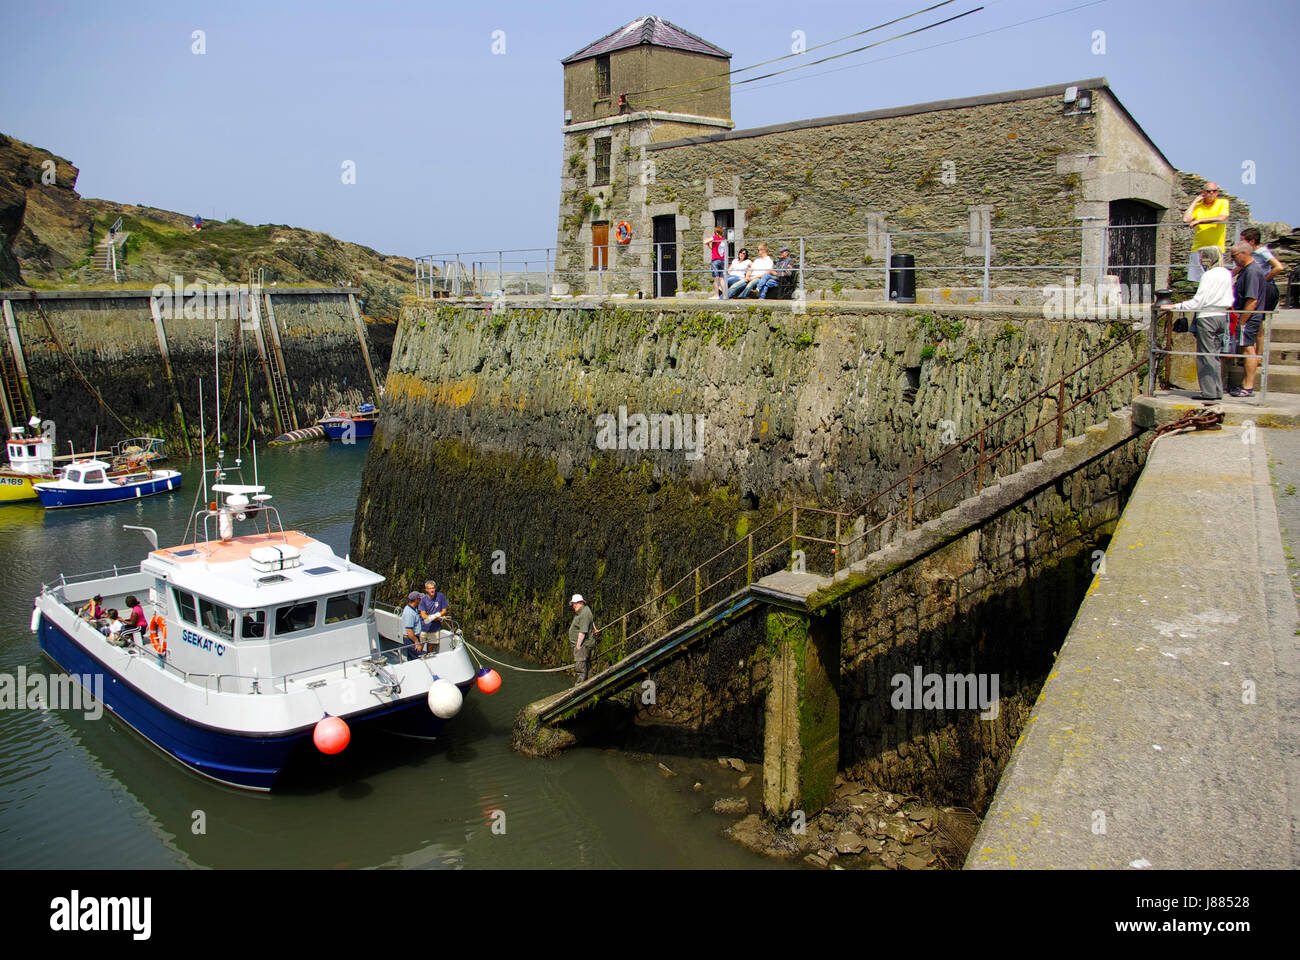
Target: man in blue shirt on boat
{"x":411,"y":624}
{"x":433,"y":611}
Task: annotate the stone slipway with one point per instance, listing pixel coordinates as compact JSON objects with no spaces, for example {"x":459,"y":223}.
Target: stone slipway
{"x":1140,"y":750}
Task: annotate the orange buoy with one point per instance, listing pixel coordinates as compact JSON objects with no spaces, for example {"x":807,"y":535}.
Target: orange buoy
{"x":331,"y":735}
{"x":489,"y":681}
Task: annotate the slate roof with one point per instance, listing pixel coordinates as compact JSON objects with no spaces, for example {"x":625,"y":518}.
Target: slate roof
{"x":652,"y":30}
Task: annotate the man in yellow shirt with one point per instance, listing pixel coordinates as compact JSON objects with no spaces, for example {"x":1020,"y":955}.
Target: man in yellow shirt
{"x":1208,"y":217}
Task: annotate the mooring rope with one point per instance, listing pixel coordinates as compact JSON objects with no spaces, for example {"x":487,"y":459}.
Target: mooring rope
{"x":510,"y":666}
{"x":75,"y":369}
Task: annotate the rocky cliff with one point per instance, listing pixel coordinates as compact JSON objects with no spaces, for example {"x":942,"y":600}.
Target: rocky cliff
{"x":48,"y":233}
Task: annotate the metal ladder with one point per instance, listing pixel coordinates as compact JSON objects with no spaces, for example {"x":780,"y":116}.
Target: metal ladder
{"x":18,"y":412}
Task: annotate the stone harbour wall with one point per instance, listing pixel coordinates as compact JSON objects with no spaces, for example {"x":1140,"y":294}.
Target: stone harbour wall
{"x":485,"y":473}
{"x":110,"y":342}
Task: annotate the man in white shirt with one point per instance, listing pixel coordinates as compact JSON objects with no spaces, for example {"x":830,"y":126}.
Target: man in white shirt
{"x":1211,"y":303}
{"x":759,"y":269}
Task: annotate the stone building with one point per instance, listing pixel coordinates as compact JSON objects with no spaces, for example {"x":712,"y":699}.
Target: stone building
{"x":1026,"y":179}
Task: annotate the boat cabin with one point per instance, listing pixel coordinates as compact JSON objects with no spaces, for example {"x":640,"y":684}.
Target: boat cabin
{"x":276,"y":605}
{"x":30,"y":455}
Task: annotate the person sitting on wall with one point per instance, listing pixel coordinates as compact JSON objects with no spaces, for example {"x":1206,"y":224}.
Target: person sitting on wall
{"x":738,"y":272}
{"x":759,"y":271}
{"x":782,"y":270}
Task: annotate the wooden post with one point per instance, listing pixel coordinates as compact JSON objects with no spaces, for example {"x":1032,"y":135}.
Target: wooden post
{"x":365,"y":350}
{"x":264,"y":360}
{"x":279,"y":359}
{"x":165,"y":353}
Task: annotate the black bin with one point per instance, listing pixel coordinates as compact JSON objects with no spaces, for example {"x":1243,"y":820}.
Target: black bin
{"x":902,"y":278}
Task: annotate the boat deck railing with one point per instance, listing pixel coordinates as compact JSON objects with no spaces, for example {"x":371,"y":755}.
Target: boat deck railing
{"x":116,"y":571}
{"x":139,"y":645}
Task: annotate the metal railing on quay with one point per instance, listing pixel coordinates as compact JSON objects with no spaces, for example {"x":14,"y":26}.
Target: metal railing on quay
{"x":907,"y":502}
{"x":1165,"y":320}
{"x":976,"y":256}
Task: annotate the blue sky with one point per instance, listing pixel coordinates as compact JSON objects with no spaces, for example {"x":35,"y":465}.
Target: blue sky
{"x":458,"y":148}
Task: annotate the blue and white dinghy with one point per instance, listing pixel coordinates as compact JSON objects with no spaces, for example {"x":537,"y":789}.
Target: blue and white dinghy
{"x":87,"y":483}
{"x":254,"y":646}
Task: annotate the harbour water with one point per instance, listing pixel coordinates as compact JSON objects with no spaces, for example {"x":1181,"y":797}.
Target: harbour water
{"x":80,"y":793}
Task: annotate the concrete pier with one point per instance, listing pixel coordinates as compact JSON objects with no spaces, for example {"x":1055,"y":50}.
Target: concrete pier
{"x":1166,"y":734}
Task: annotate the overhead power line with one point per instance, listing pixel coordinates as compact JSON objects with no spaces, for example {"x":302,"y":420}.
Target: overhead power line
{"x":764,"y":63}
{"x":899,"y":36}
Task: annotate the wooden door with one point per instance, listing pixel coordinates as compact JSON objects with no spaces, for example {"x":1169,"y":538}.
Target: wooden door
{"x":600,"y":246}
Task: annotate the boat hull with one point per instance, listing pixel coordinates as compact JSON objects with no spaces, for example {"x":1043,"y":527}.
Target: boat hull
{"x":336,"y":428}
{"x":243,"y":760}
{"x":15,"y":488}
{"x":53,"y":497}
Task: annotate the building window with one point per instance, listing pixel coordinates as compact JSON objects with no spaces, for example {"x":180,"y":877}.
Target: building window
{"x":602,"y":161}
{"x":602,"y":78}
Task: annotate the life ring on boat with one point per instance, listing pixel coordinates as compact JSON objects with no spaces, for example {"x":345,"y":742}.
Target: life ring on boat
{"x":624,"y":231}
{"x":158,"y":634}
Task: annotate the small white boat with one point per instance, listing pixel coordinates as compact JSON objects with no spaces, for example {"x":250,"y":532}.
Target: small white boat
{"x":89,"y":482}
{"x":31,"y":461}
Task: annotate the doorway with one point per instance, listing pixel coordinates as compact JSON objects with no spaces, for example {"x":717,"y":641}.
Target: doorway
{"x":665,"y":254}
{"x":1131,"y":242}
{"x":600,"y":246}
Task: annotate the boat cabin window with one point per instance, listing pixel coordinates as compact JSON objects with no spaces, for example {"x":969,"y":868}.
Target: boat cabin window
{"x":94,"y":476}
{"x":216,"y":618}
{"x":31,"y":450}
{"x":74,"y":475}
{"x":295,"y":617}
{"x":185,"y":607}
{"x":253,"y":625}
{"x":349,"y":606}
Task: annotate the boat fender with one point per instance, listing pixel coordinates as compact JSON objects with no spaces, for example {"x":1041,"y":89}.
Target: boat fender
{"x":489,"y":681}
{"x":158,"y":634}
{"x":444,"y":699}
{"x":225,"y":526}
{"x":36,"y":618}
{"x":331,"y":734}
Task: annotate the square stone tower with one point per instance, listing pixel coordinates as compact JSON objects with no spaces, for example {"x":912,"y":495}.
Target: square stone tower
{"x":648,"y":81}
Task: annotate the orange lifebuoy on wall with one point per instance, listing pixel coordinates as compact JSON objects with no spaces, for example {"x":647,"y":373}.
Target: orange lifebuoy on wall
{"x":624,"y":230}
{"x":158,"y":634}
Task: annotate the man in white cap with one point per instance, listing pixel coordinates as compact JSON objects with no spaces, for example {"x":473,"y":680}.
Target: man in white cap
{"x":580,"y":635}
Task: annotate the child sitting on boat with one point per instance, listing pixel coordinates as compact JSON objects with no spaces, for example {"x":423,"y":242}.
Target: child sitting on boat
{"x":114,"y":625}
{"x":93,"y":610}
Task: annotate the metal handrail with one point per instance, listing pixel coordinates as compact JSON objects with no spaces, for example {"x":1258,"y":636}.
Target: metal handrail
{"x":986,"y":459}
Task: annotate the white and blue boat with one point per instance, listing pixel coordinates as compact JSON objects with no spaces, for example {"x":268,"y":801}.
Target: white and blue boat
{"x":258,"y":646}
{"x":87,"y":483}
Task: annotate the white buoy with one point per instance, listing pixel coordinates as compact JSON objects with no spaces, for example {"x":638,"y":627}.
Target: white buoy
{"x":445,"y":699}
{"x":36,"y":621}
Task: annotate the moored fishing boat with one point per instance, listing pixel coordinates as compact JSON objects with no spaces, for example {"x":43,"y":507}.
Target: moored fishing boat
{"x":31,"y":461}
{"x":91,"y":482}
{"x":256,"y":646}
{"x":357,"y":425}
